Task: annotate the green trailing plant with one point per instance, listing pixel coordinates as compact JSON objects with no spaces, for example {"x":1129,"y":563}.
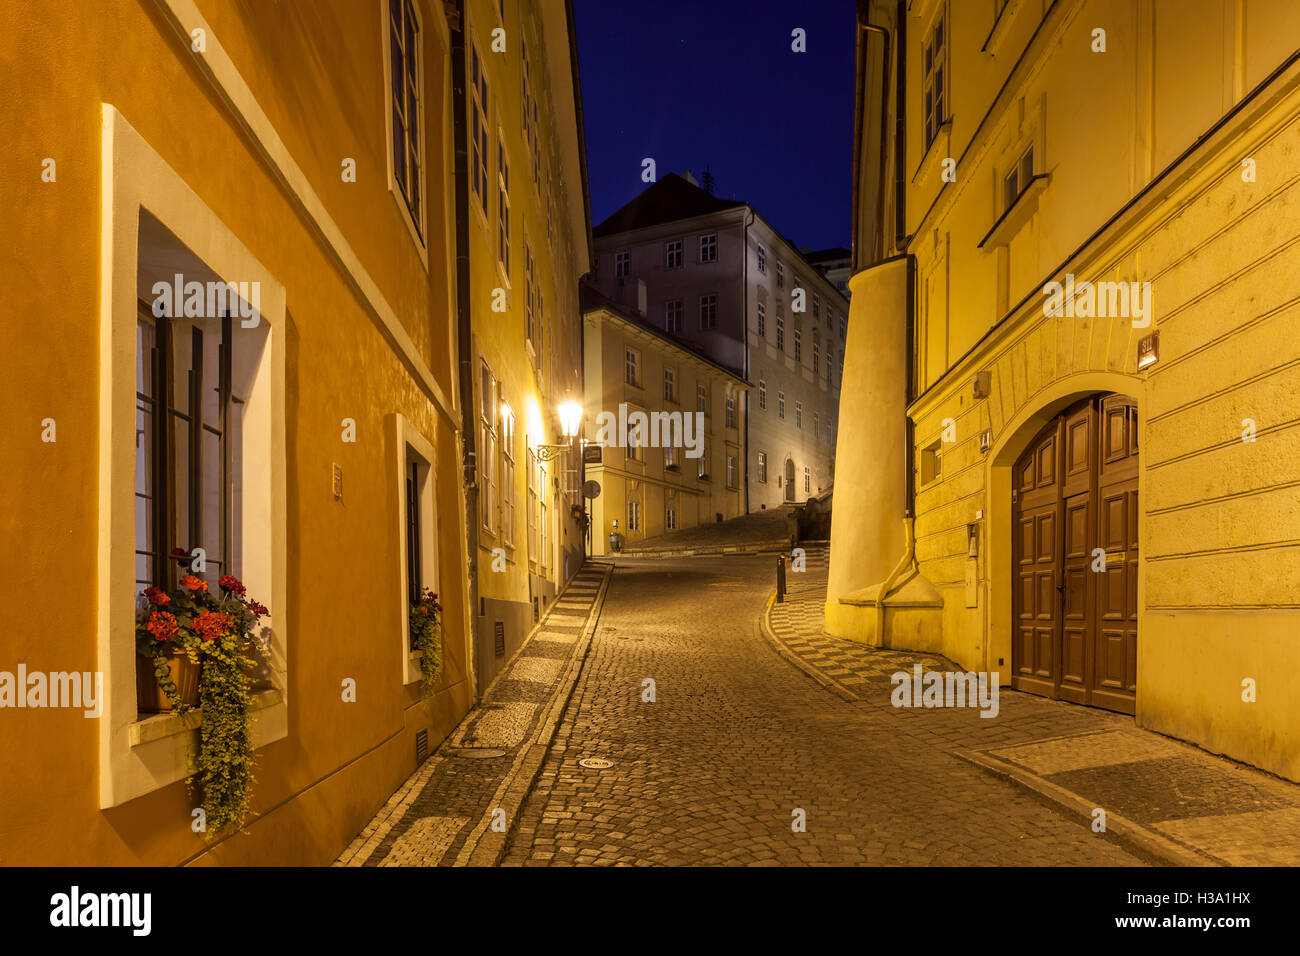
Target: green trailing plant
{"x":212,"y":630}
{"x":426,"y":637}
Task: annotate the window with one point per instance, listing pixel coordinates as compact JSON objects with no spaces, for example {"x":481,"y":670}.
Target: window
{"x":798,"y":344}
{"x":931,"y":463}
{"x":731,"y":411}
{"x":830,"y":319}
{"x":844,"y":325}
{"x":933,"y":63}
{"x":798,"y":414}
{"x":184,"y":491}
{"x":622,"y":264}
{"x":807,"y":480}
{"x":709,"y":248}
{"x":762,"y":321}
{"x":780,"y":329}
{"x":633,"y":450}
{"x":670,"y":515}
{"x":817,"y":306}
{"x":830,"y":359}
{"x":670,"y":456}
{"x":704,"y":463}
{"x":780,"y":405}
{"x":709,"y":311}
{"x":762,"y":467}
{"x":633,"y":515}
{"x":673,"y":316}
{"x":532,"y":502}
{"x":530,"y":278}
{"x":816,"y":426}
{"x":702,"y":399}
{"x":731,"y":471}
{"x":503,"y":207}
{"x":479,"y":132}
{"x":487,"y":448}
{"x":817,"y":351}
{"x":543,"y":517}
{"x":633,"y":360}
{"x":528,"y":103}
{"x":1017,"y":178}
{"x":405,"y":43}
{"x":780,"y":276}
{"x":762,"y":394}
{"x":418,"y":537}
{"x":413,"y":549}
{"x":507,"y":438}
{"x":673,"y":254}
{"x":762,"y":259}
{"x":670,"y":385}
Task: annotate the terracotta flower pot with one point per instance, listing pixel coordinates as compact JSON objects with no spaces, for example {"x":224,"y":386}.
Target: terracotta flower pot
{"x":150,"y":698}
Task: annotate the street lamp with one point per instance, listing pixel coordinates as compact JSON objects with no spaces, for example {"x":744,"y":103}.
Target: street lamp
{"x":570,"y":422}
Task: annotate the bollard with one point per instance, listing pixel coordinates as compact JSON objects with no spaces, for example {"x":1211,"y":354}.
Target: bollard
{"x":780,"y":579}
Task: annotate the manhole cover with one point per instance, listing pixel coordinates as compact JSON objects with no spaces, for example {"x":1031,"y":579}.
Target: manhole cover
{"x":479,"y":753}
{"x":595,"y":763}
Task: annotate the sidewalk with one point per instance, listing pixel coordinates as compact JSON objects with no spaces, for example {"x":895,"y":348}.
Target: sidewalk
{"x":446,"y":812}
{"x":1172,"y":800}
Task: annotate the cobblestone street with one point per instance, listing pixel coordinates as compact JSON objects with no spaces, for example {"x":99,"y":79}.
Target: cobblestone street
{"x":737,"y":741}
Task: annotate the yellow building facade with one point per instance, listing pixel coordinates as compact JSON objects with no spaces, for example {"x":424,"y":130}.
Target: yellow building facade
{"x":684,"y":467}
{"x":300,"y":160}
{"x":527,"y":240}
{"x":1071,"y":457}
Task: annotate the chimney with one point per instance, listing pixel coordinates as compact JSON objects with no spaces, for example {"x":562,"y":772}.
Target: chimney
{"x":690,"y":178}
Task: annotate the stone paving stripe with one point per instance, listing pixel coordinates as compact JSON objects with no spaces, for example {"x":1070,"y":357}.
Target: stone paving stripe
{"x":427,"y":838}
{"x":539,"y":669}
{"x":502,"y":727}
{"x":1089,"y":750}
{"x":1264,"y":838}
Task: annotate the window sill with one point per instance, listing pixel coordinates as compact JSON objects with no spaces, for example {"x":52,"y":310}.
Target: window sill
{"x":1010,"y":222}
{"x":161,"y":726}
{"x":937,"y":149}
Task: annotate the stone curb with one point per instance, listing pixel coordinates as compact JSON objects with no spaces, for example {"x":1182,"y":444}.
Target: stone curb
{"x":485,"y":847}
{"x":1146,"y":840}
{"x":769,"y":633}
{"x":782,"y":545}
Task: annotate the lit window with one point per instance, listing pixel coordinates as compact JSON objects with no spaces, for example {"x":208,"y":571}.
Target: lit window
{"x":762,"y":320}
{"x":762,"y":394}
{"x":762,"y":467}
{"x":933,"y":64}
{"x":807,"y":480}
{"x":731,"y":411}
{"x":479,"y":132}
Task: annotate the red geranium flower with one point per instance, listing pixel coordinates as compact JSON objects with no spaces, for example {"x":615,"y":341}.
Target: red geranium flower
{"x":258,"y":610}
{"x":157,"y":596}
{"x":162,"y":625}
{"x":212,"y":624}
{"x":191,"y":583}
{"x":232,"y":584}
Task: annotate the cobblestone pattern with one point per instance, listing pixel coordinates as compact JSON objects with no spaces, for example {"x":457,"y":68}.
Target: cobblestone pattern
{"x":738,"y":747}
{"x":1230,"y":813}
{"x":429,"y":819}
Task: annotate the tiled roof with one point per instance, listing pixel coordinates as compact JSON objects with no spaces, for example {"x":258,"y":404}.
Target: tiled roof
{"x":668,"y":200}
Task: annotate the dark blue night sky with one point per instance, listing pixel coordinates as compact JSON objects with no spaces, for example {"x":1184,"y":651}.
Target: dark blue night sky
{"x":696,"y":83}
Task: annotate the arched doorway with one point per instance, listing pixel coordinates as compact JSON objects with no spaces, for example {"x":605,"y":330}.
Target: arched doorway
{"x":789,"y":479}
{"x":1074,"y":556}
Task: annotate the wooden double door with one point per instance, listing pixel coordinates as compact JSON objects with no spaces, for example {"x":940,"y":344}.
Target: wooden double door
{"x":1075,"y":553}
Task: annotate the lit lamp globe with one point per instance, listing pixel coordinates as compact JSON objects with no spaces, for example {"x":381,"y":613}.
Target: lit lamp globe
{"x":570,"y":418}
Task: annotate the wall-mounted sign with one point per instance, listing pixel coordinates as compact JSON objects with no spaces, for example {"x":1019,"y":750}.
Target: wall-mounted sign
{"x":591,"y":489}
{"x":591,"y":455}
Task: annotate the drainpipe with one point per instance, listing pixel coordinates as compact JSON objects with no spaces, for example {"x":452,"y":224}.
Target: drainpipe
{"x":464,"y":329}
{"x":744,"y":338}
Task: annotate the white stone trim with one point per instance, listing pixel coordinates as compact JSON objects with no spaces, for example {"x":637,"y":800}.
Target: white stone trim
{"x":135,"y":177}
{"x":408,"y":439}
{"x":233,"y":89}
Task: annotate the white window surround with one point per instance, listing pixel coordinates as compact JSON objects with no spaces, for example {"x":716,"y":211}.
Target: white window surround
{"x":417,"y":230}
{"x":140,"y":756}
{"x":410,"y":443}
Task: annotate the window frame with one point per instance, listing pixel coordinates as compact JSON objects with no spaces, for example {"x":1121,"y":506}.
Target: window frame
{"x":415,"y":451}
{"x":708,"y":243}
{"x":416,"y":220}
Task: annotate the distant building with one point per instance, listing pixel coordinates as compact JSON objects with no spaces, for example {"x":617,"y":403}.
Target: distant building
{"x":713,"y":273}
{"x":836,"y":265}
{"x":658,"y":481}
